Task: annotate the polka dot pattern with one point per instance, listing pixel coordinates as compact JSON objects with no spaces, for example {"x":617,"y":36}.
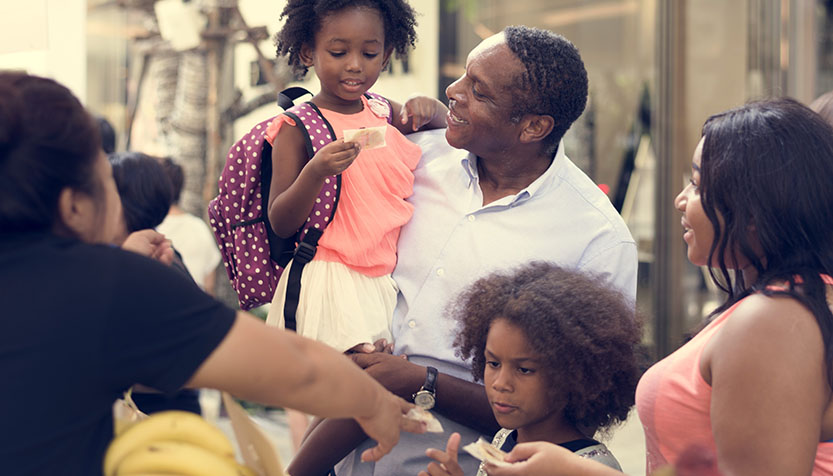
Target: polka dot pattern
{"x":237,"y":213}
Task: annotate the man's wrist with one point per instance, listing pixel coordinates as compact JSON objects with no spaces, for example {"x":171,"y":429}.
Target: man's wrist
{"x":426,"y":396}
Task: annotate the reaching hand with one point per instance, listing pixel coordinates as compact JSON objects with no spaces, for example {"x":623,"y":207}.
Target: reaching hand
{"x":445,"y":462}
{"x":540,"y":458}
{"x":150,"y":243}
{"x":334,"y":158}
{"x":423,"y":110}
{"x":385,"y":424}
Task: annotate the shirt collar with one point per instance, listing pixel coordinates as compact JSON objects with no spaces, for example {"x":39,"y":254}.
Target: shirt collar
{"x":469,"y":164}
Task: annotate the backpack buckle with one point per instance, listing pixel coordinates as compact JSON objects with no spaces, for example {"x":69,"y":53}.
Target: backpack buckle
{"x":304,"y":252}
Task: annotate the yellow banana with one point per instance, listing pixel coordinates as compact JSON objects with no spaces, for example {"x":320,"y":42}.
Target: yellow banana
{"x":244,"y":470}
{"x":176,"y":457}
{"x":173,"y":425}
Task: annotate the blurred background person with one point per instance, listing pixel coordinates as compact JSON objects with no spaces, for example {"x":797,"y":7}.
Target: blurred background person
{"x":146,"y":196}
{"x":190,"y":235}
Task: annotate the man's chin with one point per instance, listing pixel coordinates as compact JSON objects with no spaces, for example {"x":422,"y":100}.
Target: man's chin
{"x":452,"y":140}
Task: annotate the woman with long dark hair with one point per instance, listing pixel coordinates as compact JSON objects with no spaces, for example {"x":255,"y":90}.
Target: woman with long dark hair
{"x":753,"y":388}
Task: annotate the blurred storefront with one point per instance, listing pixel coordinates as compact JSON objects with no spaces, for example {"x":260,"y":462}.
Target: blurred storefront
{"x":657,"y":68}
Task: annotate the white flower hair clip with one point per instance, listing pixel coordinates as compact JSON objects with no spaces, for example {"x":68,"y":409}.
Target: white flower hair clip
{"x":378,"y":107}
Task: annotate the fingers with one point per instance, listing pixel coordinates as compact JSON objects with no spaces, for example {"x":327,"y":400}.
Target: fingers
{"x":382,"y":345}
{"x":374,"y":454}
{"x":453,"y":445}
{"x":164,"y":253}
{"x":407,"y":424}
{"x":414,"y":110}
{"x":437,"y":469}
{"x":522,"y":451}
{"x":413,"y":426}
{"x":363,"y":348}
{"x":445,"y":462}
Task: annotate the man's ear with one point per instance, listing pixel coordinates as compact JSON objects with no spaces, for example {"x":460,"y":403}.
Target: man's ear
{"x":306,"y":55}
{"x":537,"y":127}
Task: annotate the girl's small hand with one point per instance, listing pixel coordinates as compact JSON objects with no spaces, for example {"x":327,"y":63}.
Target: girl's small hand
{"x":445,"y":462}
{"x":334,"y":158}
{"x":423,"y":110}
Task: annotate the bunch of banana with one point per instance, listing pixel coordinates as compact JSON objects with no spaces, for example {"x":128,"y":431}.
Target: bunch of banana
{"x":172,"y":443}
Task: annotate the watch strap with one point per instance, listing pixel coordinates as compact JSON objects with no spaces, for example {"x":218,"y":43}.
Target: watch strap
{"x":430,"y":380}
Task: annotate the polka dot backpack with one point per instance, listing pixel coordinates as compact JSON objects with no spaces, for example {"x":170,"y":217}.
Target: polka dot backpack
{"x":253,"y":255}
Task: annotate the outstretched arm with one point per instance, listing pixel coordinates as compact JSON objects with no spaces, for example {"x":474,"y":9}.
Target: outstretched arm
{"x":332,"y":440}
{"x":419,"y":113}
{"x":280,"y":368}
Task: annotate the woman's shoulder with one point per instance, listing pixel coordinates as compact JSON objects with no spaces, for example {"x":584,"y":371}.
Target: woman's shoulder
{"x":761,"y":313}
{"x":766,"y":330}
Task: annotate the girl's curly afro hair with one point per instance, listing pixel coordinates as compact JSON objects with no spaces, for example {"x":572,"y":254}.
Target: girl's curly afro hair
{"x":303,"y":19}
{"x":586,"y":334}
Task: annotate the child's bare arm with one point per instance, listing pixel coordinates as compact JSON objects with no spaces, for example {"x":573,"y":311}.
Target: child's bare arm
{"x":296,"y":182}
{"x":419,"y":113}
{"x":324,"y":446}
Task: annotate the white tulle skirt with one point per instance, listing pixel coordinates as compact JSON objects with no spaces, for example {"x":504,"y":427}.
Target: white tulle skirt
{"x":338,"y":306}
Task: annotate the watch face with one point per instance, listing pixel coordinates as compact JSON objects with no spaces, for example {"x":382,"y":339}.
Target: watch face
{"x":424,"y":400}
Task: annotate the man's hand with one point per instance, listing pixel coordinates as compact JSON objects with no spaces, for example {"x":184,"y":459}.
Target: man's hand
{"x":150,"y":243}
{"x":393,"y":371}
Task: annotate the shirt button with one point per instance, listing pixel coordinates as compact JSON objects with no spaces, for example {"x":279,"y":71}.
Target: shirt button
{"x":440,"y":272}
{"x":411,"y":324}
{"x":471,"y":217}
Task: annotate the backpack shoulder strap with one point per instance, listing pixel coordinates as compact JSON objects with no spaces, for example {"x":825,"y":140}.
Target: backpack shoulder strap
{"x":319,"y":133}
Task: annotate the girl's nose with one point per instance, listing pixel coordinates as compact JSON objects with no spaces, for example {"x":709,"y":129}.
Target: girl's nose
{"x":354,"y":63}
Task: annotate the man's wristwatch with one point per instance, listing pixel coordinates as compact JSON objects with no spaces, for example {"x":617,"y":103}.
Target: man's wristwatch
{"x":426,"y":396}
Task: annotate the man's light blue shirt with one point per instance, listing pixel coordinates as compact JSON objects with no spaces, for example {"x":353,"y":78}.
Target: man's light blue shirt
{"x":453,"y":239}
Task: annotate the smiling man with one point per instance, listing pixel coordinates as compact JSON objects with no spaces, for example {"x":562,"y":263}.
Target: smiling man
{"x":495,"y":192}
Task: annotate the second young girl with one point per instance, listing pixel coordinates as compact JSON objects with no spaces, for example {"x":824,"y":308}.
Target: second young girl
{"x":557,"y":353}
{"x":347,"y":294}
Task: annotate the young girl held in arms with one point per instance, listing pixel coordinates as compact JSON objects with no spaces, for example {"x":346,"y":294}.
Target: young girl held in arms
{"x":347,"y":294}
{"x":557,"y":353}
